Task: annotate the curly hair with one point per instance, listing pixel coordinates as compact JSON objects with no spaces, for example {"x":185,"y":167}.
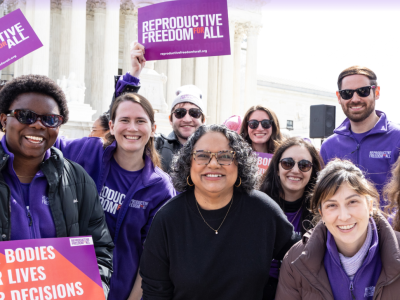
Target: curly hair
{"x":333,"y":176}
{"x":32,"y":84}
{"x":391,"y":192}
{"x":270,"y":182}
{"x":245,"y":158}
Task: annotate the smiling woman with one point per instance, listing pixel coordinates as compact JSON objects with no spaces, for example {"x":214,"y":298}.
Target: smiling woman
{"x":32,"y":108}
{"x":353,"y":248}
{"x":260,"y":128}
{"x":219,"y":230}
{"x":130,"y":183}
{"x":289,"y":179}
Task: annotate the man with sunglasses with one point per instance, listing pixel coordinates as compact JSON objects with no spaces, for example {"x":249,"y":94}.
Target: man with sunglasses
{"x":366,"y":137}
{"x":187,"y":114}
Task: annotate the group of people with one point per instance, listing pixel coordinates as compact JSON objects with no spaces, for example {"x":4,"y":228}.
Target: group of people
{"x":187,"y":216}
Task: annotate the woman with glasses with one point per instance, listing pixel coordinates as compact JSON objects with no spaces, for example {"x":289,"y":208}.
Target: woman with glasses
{"x":130,"y":183}
{"x":352,"y":253}
{"x":100,"y":127}
{"x":217,"y":238}
{"x":43,"y":195}
{"x":260,"y":128}
{"x":288,"y":181}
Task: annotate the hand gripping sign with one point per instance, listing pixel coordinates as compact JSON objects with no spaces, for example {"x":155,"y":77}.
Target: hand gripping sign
{"x":184,"y":28}
{"x":46,"y":269}
{"x":17,"y":38}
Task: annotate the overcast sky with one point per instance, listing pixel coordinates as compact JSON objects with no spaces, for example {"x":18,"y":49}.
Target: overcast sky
{"x":314,"y":45}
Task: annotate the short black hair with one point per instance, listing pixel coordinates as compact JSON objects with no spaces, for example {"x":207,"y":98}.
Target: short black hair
{"x":32,"y":84}
{"x":104,"y":121}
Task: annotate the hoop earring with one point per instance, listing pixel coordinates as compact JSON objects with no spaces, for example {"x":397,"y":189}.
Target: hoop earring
{"x":4,"y":129}
{"x":323,"y":222}
{"x":187,"y":180}
{"x":239,"y":182}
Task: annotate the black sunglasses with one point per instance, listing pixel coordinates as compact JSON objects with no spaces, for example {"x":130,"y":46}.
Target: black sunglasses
{"x":28,"y":117}
{"x":288,"y":163}
{"x":179,"y":113}
{"x":253,"y":124}
{"x":362,"y":92}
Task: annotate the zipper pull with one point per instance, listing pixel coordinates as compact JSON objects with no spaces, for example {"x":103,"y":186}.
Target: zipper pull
{"x":358,"y":147}
{"x":28,"y":214}
{"x":351,"y":290}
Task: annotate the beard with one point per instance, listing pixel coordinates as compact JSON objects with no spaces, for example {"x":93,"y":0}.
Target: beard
{"x":359,"y":117}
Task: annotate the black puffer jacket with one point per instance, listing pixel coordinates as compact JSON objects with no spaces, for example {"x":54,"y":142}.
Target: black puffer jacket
{"x":67,"y":181}
{"x":167,"y":147}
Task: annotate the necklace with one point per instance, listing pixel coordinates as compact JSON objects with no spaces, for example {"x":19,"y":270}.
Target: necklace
{"x":296,"y":215}
{"x":25,"y":176}
{"x":216,"y":231}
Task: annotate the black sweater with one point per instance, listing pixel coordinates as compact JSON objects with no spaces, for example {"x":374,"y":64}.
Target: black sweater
{"x":184,"y":259}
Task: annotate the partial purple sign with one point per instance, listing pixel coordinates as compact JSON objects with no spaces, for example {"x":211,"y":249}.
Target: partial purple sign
{"x":183,"y":29}
{"x":17,"y":38}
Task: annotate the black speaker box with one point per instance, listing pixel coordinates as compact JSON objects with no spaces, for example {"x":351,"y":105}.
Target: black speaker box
{"x":322,"y":120}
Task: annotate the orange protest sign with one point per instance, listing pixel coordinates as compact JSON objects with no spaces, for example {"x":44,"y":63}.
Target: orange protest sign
{"x":36,"y":270}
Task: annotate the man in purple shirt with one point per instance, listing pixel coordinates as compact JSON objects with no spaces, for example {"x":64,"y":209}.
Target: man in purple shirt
{"x":366,"y":137}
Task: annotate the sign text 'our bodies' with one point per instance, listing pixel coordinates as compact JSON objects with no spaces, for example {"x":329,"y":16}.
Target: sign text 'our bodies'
{"x":181,"y":28}
{"x":10,"y":35}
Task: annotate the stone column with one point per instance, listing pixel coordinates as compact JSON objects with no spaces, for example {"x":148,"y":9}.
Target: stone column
{"x":187,"y":71}
{"x":130,"y":32}
{"x":55,"y":39}
{"x":251,"y":66}
{"x":41,"y":56}
{"x":30,"y":16}
{"x":173,"y":80}
{"x":66,"y":6}
{"x":18,"y":65}
{"x":89,"y":53}
{"x":226,"y":88}
{"x":237,"y":84}
{"x":77,"y":40}
{"x":212,"y":89}
{"x":201,"y":77}
{"x":161,"y":67}
{"x":99,"y":17}
{"x":111,"y":52}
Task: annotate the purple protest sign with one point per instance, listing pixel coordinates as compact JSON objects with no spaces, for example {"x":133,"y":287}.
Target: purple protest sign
{"x":49,"y":269}
{"x":183,"y":29}
{"x":17,"y":38}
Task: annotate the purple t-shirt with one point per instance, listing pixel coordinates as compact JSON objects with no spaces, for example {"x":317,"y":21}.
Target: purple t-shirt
{"x":294,"y":218}
{"x":112,"y":195}
{"x":359,"y":136}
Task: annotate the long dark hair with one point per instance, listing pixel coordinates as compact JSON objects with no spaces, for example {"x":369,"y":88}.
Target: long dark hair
{"x":276,"y":136}
{"x":271,"y":183}
{"x":391,"y":192}
{"x":149,"y":149}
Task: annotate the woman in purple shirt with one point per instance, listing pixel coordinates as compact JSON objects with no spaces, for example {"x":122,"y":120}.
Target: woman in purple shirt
{"x":290,"y":176}
{"x":131,"y":186}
